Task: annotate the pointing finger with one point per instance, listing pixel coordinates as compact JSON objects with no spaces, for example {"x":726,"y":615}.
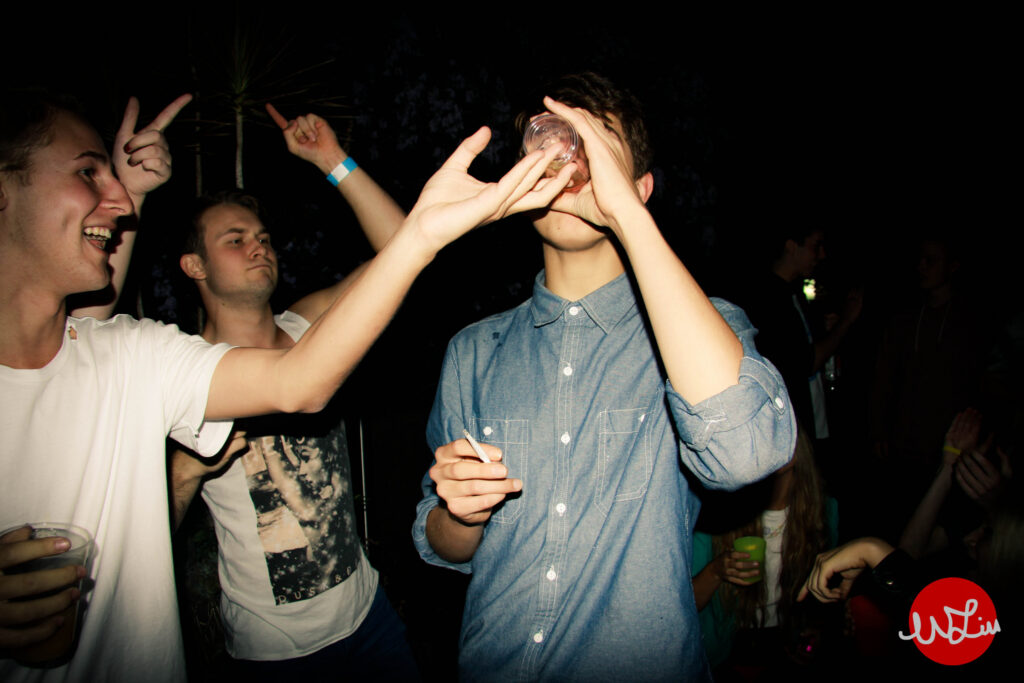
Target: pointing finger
{"x":281,"y":121}
{"x":164,"y":118}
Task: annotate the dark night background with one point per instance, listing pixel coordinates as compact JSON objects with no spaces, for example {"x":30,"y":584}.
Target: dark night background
{"x":874,"y":127}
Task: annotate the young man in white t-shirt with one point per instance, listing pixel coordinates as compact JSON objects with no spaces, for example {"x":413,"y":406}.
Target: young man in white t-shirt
{"x":86,"y":404}
{"x":299,"y":596}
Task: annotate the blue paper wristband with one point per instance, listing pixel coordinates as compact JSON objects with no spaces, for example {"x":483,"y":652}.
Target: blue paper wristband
{"x":342,"y":170}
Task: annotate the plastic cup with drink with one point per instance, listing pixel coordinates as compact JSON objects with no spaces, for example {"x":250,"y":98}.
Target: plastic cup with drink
{"x":59,"y":647}
{"x":754,"y":547}
{"x":548,"y":130}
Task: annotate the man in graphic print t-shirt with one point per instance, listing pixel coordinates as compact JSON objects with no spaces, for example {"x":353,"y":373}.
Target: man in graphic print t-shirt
{"x":298,"y":592}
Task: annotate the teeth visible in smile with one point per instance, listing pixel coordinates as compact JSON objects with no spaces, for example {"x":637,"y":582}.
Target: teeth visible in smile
{"x":98,"y":234}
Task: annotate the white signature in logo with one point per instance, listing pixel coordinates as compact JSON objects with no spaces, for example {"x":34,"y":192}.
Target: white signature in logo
{"x":954,"y":634}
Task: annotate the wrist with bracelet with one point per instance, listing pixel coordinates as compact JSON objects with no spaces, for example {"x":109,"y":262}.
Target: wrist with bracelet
{"x":341,"y":171}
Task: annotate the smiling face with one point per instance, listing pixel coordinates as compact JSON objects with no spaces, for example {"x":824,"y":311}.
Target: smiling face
{"x":239,"y":264}
{"x":58,"y":217}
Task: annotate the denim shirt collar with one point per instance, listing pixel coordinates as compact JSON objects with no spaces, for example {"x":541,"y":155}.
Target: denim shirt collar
{"x":606,"y":306}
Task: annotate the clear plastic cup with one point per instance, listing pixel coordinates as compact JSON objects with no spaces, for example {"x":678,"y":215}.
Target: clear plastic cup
{"x":548,"y":130}
{"x":58,"y":647}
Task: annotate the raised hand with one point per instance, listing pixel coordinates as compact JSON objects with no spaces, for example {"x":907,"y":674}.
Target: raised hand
{"x":963,"y":434}
{"x":612,"y":187}
{"x":310,"y":138}
{"x":25,"y":622}
{"x":142,"y":159}
{"x":453,"y":202}
{"x":981,"y":479}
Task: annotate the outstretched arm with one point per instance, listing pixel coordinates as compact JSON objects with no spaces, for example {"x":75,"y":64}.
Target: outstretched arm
{"x":310,"y":138}
{"x":304,"y":377}
{"x":698,"y":348}
{"x":848,"y":561}
{"x":142,"y":161}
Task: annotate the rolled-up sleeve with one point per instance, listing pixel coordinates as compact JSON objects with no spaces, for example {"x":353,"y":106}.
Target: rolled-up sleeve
{"x":745,"y":432}
{"x":419,"y":530}
{"x":439,"y":430}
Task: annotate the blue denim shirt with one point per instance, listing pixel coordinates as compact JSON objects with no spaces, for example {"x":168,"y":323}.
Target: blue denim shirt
{"x":585,"y":575}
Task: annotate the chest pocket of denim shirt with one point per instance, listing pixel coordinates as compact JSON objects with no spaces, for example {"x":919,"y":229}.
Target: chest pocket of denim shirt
{"x":624,"y":457}
{"x":512,"y":437}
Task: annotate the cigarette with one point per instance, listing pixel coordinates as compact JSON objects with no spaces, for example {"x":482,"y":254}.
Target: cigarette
{"x":476,"y":446}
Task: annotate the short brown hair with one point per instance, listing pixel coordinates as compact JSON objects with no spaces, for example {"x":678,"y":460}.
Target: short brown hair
{"x":26,"y":124}
{"x":195,"y":238}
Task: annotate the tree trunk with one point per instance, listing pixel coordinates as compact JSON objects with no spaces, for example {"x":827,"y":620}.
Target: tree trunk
{"x":238,"y":148}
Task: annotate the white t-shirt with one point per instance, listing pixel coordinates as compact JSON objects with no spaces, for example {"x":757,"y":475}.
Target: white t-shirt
{"x":292,"y":571}
{"x":773,"y":524}
{"x":83,"y":440}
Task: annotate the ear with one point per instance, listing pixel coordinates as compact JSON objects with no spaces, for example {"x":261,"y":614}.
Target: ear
{"x":3,"y":195}
{"x":646,"y":186}
{"x":192,"y":264}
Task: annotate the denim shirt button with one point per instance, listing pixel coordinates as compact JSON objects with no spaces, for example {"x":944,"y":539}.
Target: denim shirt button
{"x":551,"y":575}
{"x":565,"y":438}
{"x":560,"y":508}
{"x":567,"y":370}
{"x":574,"y":310}
{"x":488,"y":431}
{"x":779,"y":402}
{"x":538,"y":637}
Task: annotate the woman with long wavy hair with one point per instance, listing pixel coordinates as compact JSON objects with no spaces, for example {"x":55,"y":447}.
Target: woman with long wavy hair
{"x":797,"y":521}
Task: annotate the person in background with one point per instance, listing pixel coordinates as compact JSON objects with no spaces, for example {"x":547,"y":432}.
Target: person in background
{"x":797,"y":521}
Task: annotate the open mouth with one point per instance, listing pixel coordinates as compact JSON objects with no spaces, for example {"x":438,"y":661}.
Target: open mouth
{"x":98,"y":236}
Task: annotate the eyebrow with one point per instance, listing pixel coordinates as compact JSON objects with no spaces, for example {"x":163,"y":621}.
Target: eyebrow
{"x":89,"y":154}
{"x":240,"y":231}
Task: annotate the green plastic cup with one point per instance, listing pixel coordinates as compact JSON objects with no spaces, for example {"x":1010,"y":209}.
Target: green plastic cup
{"x":753,"y":546}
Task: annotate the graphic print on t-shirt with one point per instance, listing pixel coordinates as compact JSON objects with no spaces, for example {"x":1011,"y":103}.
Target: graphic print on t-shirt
{"x":301,"y":489}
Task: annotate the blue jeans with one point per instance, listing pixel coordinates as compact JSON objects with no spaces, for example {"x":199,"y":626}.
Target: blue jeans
{"x":378,"y":651}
